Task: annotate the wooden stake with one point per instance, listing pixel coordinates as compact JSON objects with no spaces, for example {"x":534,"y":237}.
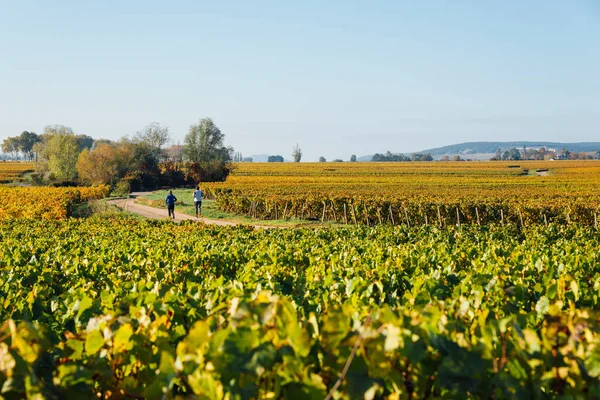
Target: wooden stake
{"x":406,"y":216}
{"x":477,"y":213}
{"x":345,"y":215}
{"x":521,"y":218}
{"x":333,"y":211}
{"x":595,"y":220}
{"x":366,"y":213}
{"x":323,"y":216}
{"x":439,"y":216}
{"x":276,"y":213}
{"x":457,"y":217}
{"x":354,"y":215}
{"x":379,"y":216}
{"x":545,"y":220}
{"x":392,"y":216}
{"x":502,"y":217}
{"x":285,"y":210}
{"x":302,"y":213}
{"x":426,"y":221}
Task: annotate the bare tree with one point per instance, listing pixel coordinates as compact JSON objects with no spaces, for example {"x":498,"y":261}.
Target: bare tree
{"x":297,"y":153}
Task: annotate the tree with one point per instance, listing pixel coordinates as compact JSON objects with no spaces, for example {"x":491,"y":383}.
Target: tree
{"x":353,"y":158}
{"x":247,"y":159}
{"x":322,"y":159}
{"x":275,"y":159}
{"x":100,"y":165}
{"x":338,"y":160}
{"x":84,"y":142}
{"x":11,"y":145}
{"x":297,"y":153}
{"x":61,"y":151}
{"x":445,"y":158}
{"x":237,"y":157}
{"x":154,"y":134}
{"x":26,"y":142}
{"x":204,"y":143}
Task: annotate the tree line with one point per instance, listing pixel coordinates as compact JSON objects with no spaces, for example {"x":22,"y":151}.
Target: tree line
{"x":389,"y":157}
{"x":542,"y":153}
{"x":140,"y":162}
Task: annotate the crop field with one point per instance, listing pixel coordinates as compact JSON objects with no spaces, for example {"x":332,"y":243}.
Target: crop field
{"x":13,"y":171}
{"x":504,"y":304}
{"x":525,"y":192}
{"x":121,"y":308}
{"x":45,"y":202}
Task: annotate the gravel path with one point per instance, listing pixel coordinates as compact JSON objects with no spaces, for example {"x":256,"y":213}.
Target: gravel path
{"x":129,"y":205}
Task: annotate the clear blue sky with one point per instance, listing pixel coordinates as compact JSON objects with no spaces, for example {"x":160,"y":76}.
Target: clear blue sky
{"x":338,"y":77}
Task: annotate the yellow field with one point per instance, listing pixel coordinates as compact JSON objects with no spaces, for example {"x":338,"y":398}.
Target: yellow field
{"x":12,"y":171}
{"x":46,"y":203}
{"x":416,"y":193}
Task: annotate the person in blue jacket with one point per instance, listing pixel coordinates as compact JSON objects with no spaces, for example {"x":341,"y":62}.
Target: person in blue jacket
{"x":170,"y":200}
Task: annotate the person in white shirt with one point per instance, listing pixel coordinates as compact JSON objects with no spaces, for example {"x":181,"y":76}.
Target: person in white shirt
{"x":198,"y":196}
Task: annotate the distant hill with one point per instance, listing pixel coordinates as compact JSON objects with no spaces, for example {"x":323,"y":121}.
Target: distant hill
{"x":490,"y":147}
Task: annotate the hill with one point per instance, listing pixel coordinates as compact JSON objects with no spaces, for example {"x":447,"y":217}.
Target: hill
{"x":490,"y":147}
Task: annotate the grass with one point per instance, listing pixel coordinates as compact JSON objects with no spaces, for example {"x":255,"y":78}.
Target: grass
{"x":185,"y":205}
{"x":98,"y":207}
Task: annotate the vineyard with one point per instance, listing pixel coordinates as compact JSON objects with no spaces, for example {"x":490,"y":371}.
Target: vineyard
{"x":13,"y":171}
{"x":45,"y":202}
{"x":115,"y":307}
{"x":415,"y":194}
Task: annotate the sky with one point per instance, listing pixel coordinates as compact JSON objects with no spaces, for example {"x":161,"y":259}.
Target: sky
{"x":336,"y":77}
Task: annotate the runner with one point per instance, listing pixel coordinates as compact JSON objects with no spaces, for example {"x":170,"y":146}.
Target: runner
{"x":170,"y":200}
{"x":198,"y":196}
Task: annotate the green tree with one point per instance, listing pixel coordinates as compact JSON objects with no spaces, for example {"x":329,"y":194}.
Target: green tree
{"x":353,"y":158}
{"x":154,"y":136}
{"x":275,"y":159}
{"x":204,"y":143}
{"x":322,"y":159}
{"x":61,"y":151}
{"x":297,"y":153}
{"x":26,"y":142}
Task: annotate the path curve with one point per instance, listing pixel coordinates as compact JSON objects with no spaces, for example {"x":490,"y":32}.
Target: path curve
{"x":131,"y":206}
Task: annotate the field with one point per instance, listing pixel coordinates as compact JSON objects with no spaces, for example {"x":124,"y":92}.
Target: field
{"x":415,"y":193}
{"x":13,"y":171}
{"x":114,"y":306}
{"x":44,"y":202}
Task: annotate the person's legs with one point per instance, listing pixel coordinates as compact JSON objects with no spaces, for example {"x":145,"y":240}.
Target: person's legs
{"x":171,"y":211}
{"x":200,"y":208}
{"x":197,"y":204}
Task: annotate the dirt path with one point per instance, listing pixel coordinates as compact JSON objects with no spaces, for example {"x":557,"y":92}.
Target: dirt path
{"x":129,"y":205}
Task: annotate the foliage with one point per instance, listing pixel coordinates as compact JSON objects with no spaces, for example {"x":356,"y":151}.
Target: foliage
{"x":353,"y":158}
{"x":416,"y":193}
{"x":275,"y":158}
{"x":46,"y":203}
{"x":204,"y":143}
{"x":214,"y":171}
{"x":388,"y":156}
{"x":100,"y":165}
{"x":61,"y":150}
{"x":116,"y":307}
{"x":13,"y":171}
{"x":154,"y":136}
